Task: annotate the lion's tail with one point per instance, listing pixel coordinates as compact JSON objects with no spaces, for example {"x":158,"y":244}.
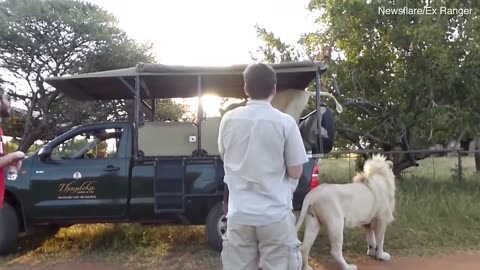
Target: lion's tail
{"x":360,"y":178}
{"x":305,"y":206}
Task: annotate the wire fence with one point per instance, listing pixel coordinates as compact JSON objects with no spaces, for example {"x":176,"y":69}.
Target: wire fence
{"x":434,"y":165}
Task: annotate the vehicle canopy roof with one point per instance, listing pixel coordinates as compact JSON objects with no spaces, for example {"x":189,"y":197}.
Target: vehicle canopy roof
{"x":171,"y":81}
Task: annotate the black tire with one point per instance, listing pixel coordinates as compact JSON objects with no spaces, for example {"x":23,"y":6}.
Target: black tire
{"x":9,"y":228}
{"x":214,"y":232}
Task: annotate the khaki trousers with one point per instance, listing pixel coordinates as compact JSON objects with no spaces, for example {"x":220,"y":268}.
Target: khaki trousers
{"x":275,"y":246}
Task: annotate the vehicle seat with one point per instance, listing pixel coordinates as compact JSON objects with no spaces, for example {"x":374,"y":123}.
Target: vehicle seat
{"x":166,"y":138}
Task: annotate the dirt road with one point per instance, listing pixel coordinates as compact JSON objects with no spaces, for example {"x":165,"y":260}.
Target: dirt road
{"x":454,"y":262}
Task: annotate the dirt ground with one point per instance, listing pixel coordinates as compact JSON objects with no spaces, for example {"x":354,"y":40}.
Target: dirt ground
{"x":452,"y":262}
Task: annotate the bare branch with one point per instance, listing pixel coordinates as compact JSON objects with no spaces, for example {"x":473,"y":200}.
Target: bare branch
{"x":365,"y":105}
{"x":15,"y":95}
{"x":361,"y":133}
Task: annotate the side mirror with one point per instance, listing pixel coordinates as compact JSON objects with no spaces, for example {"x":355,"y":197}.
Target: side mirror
{"x":45,"y":152}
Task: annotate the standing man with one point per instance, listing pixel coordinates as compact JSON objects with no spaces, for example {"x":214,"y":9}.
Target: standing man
{"x":13,"y":159}
{"x":263,"y":155}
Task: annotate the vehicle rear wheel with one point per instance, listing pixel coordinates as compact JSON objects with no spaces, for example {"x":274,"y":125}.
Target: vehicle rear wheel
{"x":216,"y":227}
{"x":9,"y":228}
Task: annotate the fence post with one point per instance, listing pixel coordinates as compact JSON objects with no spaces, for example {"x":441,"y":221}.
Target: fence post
{"x":433,"y":167}
{"x":349,"y":167}
{"x":459,"y":165}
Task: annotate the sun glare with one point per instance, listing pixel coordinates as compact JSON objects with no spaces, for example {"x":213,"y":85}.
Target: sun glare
{"x":211,"y":105}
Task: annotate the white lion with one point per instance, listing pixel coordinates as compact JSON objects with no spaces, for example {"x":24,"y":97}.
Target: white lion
{"x":293,"y":102}
{"x":369,"y":202}
{"x":290,"y":101}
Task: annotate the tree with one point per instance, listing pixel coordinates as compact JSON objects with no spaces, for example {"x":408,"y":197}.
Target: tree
{"x":42,"y":38}
{"x":408,"y":81}
{"x":14,"y":125}
{"x":168,"y":110}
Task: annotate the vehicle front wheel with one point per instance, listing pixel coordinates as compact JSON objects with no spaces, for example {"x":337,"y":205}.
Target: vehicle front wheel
{"x":9,"y":228}
{"x":216,"y":227}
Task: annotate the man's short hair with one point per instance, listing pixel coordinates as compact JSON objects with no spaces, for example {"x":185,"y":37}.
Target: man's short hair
{"x":260,"y":80}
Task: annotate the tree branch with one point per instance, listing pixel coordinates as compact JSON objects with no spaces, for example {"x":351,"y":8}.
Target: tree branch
{"x":15,"y":95}
{"x":361,"y":133}
{"x":365,"y":105}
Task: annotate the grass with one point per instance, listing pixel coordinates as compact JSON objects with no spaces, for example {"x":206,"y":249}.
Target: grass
{"x":432,"y":169}
{"x":432,"y":217}
{"x":128,"y":244}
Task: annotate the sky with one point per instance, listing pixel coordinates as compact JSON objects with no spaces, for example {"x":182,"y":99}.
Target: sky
{"x":209,"y":32}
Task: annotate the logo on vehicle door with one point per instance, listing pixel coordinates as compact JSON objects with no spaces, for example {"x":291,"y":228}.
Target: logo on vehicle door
{"x":77,"y":190}
{"x":77,"y":175}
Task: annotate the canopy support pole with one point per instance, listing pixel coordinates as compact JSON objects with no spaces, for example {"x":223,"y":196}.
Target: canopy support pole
{"x":137,"y":115}
{"x":199,"y":115}
{"x":318,"y":89}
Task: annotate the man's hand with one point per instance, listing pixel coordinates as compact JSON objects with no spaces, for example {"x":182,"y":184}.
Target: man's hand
{"x":16,"y":159}
{"x":16,"y":155}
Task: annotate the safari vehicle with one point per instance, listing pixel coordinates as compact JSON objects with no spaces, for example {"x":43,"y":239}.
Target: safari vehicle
{"x":157,"y":172}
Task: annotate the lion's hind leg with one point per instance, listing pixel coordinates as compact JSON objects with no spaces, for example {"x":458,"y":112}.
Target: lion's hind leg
{"x":335,"y":228}
{"x":371,"y":242}
{"x":312,"y":227}
{"x":380,"y":229}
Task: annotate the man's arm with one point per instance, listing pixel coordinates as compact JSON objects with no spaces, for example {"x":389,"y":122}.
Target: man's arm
{"x":225,"y":199}
{"x":295,"y":171}
{"x":221,"y":150}
{"x":221,"y":147}
{"x":295,"y":155}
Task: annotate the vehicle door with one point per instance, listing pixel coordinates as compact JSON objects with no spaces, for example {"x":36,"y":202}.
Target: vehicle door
{"x":86,"y":175}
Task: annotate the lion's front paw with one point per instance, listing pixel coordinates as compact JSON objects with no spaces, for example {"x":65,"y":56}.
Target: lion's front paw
{"x":383,"y":256}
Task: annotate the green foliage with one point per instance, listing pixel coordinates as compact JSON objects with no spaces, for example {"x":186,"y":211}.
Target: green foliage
{"x":47,"y":38}
{"x":12,"y":146}
{"x":14,"y":125}
{"x":274,"y":50}
{"x":359,"y":162}
{"x":457,"y":173}
{"x":168,"y":110}
{"x":407,"y":81}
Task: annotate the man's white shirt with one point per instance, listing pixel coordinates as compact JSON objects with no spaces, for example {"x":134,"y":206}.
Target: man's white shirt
{"x":256,"y":143}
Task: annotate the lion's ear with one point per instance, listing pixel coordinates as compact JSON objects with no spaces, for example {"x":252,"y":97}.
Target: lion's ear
{"x":390,"y":163}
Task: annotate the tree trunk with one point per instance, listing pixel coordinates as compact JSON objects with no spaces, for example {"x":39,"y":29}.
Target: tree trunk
{"x":28,"y":141}
{"x":400,"y":165}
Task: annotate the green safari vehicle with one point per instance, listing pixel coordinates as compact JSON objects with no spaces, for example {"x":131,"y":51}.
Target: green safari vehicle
{"x":156,"y":172}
